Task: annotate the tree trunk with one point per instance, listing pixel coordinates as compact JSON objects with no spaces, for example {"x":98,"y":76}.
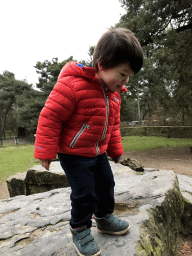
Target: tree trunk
{"x":4,"y":117}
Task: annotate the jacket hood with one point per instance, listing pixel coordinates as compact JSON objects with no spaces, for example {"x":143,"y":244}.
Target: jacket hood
{"x":79,"y":70}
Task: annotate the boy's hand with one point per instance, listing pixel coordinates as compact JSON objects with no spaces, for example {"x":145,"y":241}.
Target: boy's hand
{"x":45,"y":163}
{"x":116,"y":159}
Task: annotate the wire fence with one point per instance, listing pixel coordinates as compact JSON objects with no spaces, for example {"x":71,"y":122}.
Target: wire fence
{"x":161,"y":131}
{"x":13,"y":140}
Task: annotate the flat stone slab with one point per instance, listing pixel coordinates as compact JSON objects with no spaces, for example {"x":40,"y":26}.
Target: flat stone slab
{"x":55,"y":167}
{"x":39,"y":224}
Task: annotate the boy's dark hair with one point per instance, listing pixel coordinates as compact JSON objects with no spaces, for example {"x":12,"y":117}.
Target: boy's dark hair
{"x":118,"y":46}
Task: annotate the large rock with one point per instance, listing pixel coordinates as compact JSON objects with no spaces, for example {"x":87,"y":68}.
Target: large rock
{"x":151,"y":202}
{"x":37,"y":180}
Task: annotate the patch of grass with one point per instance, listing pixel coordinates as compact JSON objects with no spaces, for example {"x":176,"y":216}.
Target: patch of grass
{"x":16,"y":159}
{"x":148,"y":143}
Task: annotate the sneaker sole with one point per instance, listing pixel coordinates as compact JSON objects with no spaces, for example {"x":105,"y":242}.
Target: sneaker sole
{"x":78,"y":252}
{"x":119,"y":233}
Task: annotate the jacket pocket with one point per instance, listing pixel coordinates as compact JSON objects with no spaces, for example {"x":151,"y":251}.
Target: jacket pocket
{"x":74,"y":141}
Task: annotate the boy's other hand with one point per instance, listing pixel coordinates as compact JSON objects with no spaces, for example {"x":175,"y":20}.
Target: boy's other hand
{"x":116,"y":159}
{"x":45,"y":163}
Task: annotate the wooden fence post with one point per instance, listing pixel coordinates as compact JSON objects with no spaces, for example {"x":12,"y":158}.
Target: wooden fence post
{"x":16,"y":140}
{"x":168,"y":134}
{"x":145,"y":131}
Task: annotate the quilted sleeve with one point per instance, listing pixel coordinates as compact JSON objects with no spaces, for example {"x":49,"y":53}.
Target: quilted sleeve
{"x":115,"y":148}
{"x":58,"y":107}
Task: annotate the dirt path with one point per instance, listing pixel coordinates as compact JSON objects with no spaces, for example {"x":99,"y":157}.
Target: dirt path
{"x":177,"y":159}
{"x":4,"y":193}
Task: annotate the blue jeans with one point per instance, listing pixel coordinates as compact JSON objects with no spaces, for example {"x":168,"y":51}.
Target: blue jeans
{"x":92,"y":184}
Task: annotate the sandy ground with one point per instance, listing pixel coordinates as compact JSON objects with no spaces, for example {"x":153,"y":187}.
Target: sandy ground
{"x":177,"y":159}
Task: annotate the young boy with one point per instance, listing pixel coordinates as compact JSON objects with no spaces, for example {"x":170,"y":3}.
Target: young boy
{"x":80,"y":122}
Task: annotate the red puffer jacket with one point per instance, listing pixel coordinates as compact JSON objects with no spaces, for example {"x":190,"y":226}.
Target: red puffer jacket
{"x":79,"y":117}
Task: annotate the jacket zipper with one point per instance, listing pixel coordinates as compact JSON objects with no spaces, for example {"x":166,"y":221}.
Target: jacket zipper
{"x":74,"y":141}
{"x":106,"y":123}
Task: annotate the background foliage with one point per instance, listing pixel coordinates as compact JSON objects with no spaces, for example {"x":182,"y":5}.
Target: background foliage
{"x":164,"y":85}
{"x":161,"y":91}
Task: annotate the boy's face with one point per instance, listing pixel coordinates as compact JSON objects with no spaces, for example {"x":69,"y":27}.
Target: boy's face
{"x":115,"y":78}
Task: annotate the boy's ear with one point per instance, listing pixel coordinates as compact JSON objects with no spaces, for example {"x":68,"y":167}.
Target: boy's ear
{"x":100,"y":67}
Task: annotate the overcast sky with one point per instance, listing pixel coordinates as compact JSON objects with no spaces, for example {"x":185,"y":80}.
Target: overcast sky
{"x":39,"y":30}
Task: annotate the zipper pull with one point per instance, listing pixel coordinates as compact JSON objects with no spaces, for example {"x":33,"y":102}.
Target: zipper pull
{"x":107,"y":100}
{"x":88,"y":126}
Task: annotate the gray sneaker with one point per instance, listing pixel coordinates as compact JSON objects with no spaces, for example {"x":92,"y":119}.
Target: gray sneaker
{"x":84,"y":242}
{"x":112,"y":225}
